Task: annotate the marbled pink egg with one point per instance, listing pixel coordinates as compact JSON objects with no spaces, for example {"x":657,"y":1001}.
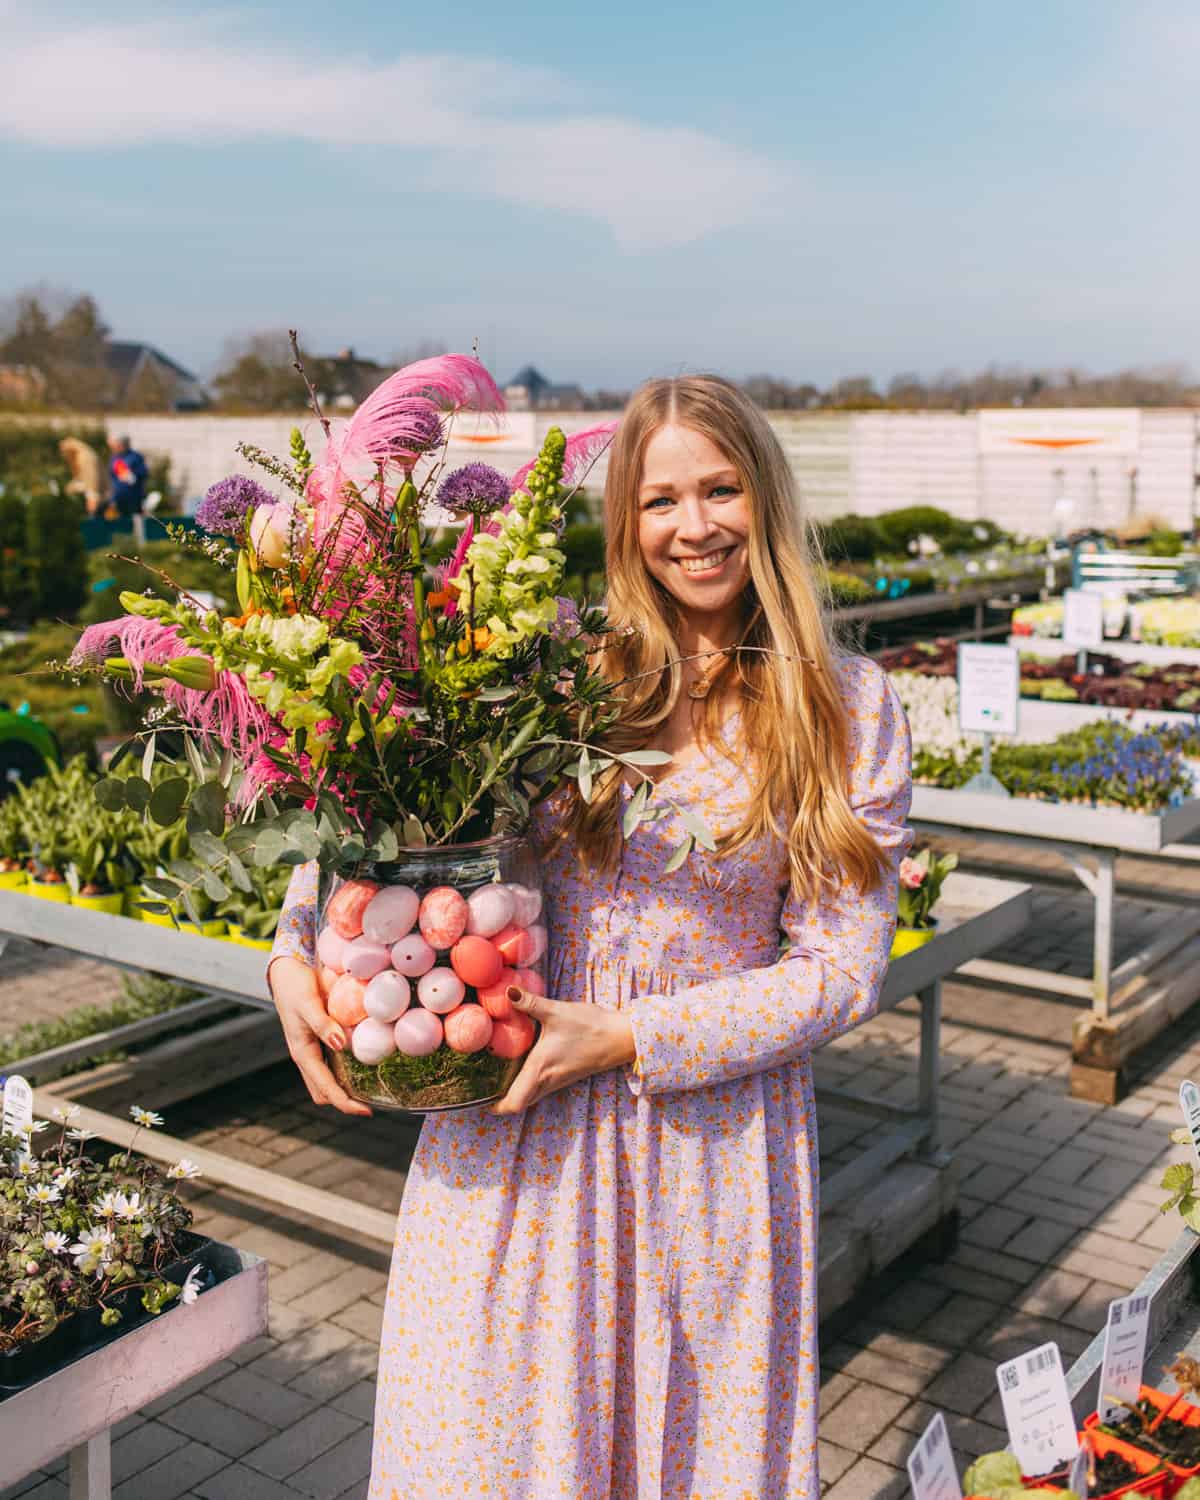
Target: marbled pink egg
{"x":391,"y":914}
{"x":347,"y":904}
{"x":387,"y":996}
{"x":539,"y":939}
{"x":489,"y":910}
{"x":440,"y":990}
{"x":331,"y":949}
{"x":364,"y":959}
{"x":442,"y":917}
{"x":345,"y":1002}
{"x":530,"y":981}
{"x":468,"y":1029}
{"x":418,"y":1033}
{"x":413,"y":956}
{"x":371,"y":1041}
{"x":527,"y":904}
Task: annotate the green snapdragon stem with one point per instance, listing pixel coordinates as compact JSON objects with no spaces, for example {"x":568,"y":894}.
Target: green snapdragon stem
{"x":407,"y":496}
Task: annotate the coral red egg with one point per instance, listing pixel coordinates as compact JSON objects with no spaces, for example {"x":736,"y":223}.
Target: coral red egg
{"x":440,"y":990}
{"x":468,"y":1029}
{"x":412,"y":956}
{"x":489,"y":910}
{"x":365,"y":959}
{"x":387,"y":996}
{"x":476,"y":961}
{"x":511,"y":1037}
{"x":345,"y":1002}
{"x":392,"y":914}
{"x":326,"y":979}
{"x":331,"y":949}
{"x":494,"y":998}
{"x":418,"y":1033}
{"x":514,"y":945}
{"x":347,"y":905}
{"x":442,"y":917}
{"x":371,"y":1041}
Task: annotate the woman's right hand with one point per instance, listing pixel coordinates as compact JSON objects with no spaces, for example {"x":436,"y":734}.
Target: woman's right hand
{"x":306,"y":1024}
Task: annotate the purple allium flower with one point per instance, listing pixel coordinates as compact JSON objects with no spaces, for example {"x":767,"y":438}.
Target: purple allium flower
{"x":566,"y":627}
{"x":421,"y":430}
{"x":476,"y":488}
{"x":227,"y":503}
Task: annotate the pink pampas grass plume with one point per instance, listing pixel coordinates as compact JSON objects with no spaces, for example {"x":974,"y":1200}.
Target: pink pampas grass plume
{"x":583,"y":449}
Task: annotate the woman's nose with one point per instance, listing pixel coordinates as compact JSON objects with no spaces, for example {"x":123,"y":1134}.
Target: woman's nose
{"x":694,"y":521}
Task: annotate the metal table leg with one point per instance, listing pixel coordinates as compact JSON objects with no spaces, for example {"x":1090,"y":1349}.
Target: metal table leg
{"x":1101,"y":883}
{"x":929,"y":1067}
{"x":91,"y":1468}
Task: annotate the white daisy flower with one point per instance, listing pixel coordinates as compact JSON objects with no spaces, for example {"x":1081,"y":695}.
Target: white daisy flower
{"x":145,"y":1117}
{"x":28,"y":1166}
{"x":91,"y":1249}
{"x":66,"y":1175}
{"x":129,"y":1205}
{"x":65,"y":1116}
{"x":109,"y":1205}
{"x":190,"y":1289}
{"x":81,"y":1135}
{"x":183,"y":1168}
{"x":42,"y":1192}
{"x":53,"y":1241}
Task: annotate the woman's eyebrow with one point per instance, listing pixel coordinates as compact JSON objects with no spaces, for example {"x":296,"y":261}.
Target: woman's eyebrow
{"x":704,"y":479}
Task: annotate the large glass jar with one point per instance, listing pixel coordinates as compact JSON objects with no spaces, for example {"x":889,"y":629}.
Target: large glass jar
{"x":415,"y":959}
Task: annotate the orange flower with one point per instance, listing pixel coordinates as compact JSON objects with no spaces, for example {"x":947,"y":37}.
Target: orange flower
{"x":438,"y":599}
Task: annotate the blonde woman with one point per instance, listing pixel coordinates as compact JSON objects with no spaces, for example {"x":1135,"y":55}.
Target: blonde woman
{"x":605,"y":1287}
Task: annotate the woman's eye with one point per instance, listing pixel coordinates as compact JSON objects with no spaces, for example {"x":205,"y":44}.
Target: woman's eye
{"x":659,"y":500}
{"x":725,"y":489}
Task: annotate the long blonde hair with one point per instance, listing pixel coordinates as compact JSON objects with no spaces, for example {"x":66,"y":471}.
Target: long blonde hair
{"x":794,"y":724}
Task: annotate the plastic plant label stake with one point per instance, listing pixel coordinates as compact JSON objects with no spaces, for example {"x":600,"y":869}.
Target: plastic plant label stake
{"x":1124,"y":1354}
{"x":1077,"y":1479}
{"x":931,"y":1470}
{"x":989,"y":691}
{"x":1037,"y":1410}
{"x":18,"y":1105}
{"x":1189,"y":1103}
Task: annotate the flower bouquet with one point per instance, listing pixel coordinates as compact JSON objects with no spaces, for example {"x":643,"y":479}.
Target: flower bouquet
{"x":86,"y":1245}
{"x":920,"y":887}
{"x":394,"y":723}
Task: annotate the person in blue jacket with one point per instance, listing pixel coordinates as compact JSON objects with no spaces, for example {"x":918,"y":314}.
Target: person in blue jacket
{"x":127,"y":477}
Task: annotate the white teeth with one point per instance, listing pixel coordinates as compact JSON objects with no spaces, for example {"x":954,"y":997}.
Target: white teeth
{"x":702,"y":564}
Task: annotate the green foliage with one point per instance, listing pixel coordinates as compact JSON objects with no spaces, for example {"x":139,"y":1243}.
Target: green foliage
{"x":29,"y":456}
{"x":1163,"y":544}
{"x":847,"y":589}
{"x":185,"y":564}
{"x":992,"y":1473}
{"x":1179,"y":1180}
{"x":850,"y":539}
{"x":583,"y":548}
{"x":74,"y":712}
{"x":921,"y":881}
{"x":43,"y":564}
{"x":897,"y":528}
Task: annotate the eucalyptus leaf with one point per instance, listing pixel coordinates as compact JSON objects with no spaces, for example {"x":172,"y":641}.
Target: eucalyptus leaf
{"x":185,"y":870}
{"x":414,"y":833}
{"x":137,"y":793}
{"x":208,"y":803}
{"x":110,"y":794}
{"x":148,"y":757}
{"x":194,"y":758}
{"x":645,"y":757}
{"x":698,"y":828}
{"x":161,"y":886}
{"x":238,"y":873}
{"x":585,"y":775}
{"x":190,"y":904}
{"x":167,"y":799}
{"x":268,"y":847}
{"x":633,"y":813}
{"x":678,"y":855}
{"x":496,"y":694}
{"x":214,"y":887}
{"x":208,"y":848}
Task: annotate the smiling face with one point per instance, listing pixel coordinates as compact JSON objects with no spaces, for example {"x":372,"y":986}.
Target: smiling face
{"x":694,"y":526}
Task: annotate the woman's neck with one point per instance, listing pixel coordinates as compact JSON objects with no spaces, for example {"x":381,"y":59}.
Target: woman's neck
{"x":709,"y":633}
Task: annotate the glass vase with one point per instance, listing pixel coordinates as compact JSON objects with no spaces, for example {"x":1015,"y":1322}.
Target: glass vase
{"x":414,"y":960}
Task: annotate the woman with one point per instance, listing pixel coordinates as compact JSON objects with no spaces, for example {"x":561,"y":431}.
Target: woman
{"x":605,"y":1287}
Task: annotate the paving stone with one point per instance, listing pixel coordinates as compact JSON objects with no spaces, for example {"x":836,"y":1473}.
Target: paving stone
{"x":188,"y":1388}
{"x":237,"y":1482}
{"x":285,"y":1362}
{"x":358,"y":1401}
{"x":1090,"y":1312}
{"x":302,"y":1443}
{"x":1093,"y":1249}
{"x":994,"y":1228}
{"x":1041,"y":1240}
{"x":42,"y":1489}
{"x":145,"y":1445}
{"x":869,"y":1480}
{"x":858,"y":1419}
{"x":363,"y":1319}
{"x":1052,"y":1293}
{"x":834,"y":1385}
{"x":963,"y":1385}
{"x":338,"y":1373}
{"x":334,"y":1472}
{"x":832,"y":1461}
{"x":222,"y":1427}
{"x":266,"y":1399}
{"x":958,"y":1320}
{"x":173,"y":1476}
{"x":877,"y":1368}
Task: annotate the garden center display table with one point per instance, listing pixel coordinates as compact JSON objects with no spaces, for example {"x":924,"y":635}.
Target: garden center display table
{"x":1166,"y":656}
{"x":1128,"y":1004}
{"x":75,"y":1409}
{"x":873,"y":1209}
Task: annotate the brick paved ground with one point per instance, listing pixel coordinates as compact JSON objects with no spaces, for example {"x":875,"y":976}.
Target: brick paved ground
{"x":1059,"y":1214}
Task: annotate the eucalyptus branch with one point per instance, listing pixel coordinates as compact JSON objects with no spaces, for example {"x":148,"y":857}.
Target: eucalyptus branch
{"x":313,"y":399}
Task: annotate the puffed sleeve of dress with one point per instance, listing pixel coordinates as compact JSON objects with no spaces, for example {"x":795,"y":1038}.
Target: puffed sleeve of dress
{"x":830,"y":979}
{"x":296,"y":934}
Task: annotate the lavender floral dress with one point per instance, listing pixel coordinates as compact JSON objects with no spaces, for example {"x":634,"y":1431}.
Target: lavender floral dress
{"x":613,"y":1295}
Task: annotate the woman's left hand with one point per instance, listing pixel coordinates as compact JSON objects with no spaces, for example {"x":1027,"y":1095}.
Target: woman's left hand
{"x":577,"y":1040}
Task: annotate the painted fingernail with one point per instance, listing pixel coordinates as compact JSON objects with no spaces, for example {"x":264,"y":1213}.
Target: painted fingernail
{"x":514,"y":994}
{"x":336,"y":1040}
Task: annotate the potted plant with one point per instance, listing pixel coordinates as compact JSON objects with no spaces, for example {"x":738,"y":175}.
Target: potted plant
{"x":99,"y":870}
{"x":13,"y":849}
{"x":87,"y":1246}
{"x":251,"y":917}
{"x":920,"y":887}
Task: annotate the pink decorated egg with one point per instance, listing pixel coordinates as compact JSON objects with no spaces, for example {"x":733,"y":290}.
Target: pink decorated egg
{"x":371,"y":1041}
{"x":326,"y":979}
{"x":440,"y":990}
{"x":512,"y":1036}
{"x":494,"y":998}
{"x":347,"y":906}
{"x":527,"y":905}
{"x":413,"y":956}
{"x":442,"y":917}
{"x":387,"y":996}
{"x":489,"y":910}
{"x":515,"y":945}
{"x":418,"y":1033}
{"x":476,"y":961}
{"x":530,"y":981}
{"x":345,"y":1003}
{"x":468,"y":1029}
{"x":365,"y":959}
{"x":539,"y":937}
{"x":331,"y":949}
{"x":392,"y":914}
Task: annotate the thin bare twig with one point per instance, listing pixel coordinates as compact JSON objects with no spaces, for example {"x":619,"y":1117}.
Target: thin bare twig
{"x":298,"y":364}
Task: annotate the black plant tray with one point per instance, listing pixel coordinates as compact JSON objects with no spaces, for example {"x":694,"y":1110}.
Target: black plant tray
{"x":83,"y":1333}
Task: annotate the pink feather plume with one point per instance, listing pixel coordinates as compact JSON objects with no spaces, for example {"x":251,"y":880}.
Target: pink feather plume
{"x":140,"y":641}
{"x":583,"y":449}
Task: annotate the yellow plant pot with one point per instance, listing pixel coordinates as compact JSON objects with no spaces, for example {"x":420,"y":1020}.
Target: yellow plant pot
{"x":213,"y":929}
{"x":49,"y":891}
{"x":111,"y":901}
{"x":236,"y":935}
{"x":908,"y":939}
{"x":13,"y":880}
{"x":157,"y":918}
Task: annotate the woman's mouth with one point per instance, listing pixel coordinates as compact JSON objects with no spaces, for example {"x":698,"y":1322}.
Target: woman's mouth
{"x":701,"y":567}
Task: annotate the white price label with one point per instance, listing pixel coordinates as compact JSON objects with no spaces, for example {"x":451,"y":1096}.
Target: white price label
{"x":1083,"y":618}
{"x":989,"y":689}
{"x":1037,"y":1410}
{"x":1077,"y":1480}
{"x":18,"y":1104}
{"x":1189,"y":1103}
{"x":931,"y":1470}
{"x":1124,"y":1354}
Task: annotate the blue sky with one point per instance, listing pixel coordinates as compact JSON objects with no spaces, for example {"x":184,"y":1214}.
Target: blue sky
{"x":811,"y":190}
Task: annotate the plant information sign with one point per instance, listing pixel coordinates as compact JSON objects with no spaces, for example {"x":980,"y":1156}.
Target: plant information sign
{"x":1083,"y":619}
{"x":1037,"y":1410}
{"x":989,"y":689}
{"x":931,"y":1470}
{"x":1124,"y":1353}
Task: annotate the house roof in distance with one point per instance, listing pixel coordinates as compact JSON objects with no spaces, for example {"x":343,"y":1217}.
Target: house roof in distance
{"x":122,"y":356}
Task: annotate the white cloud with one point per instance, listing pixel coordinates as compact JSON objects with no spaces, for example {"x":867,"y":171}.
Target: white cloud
{"x":489,"y":127}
